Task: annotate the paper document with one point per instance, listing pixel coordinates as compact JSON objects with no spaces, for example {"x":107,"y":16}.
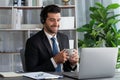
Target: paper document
{"x":41,"y":75}
{"x":10,"y":74}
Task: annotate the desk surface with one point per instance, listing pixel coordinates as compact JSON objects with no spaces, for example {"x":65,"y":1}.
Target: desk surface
{"x":116,"y":77}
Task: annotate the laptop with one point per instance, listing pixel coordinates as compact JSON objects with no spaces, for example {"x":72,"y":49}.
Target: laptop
{"x":95,"y":63}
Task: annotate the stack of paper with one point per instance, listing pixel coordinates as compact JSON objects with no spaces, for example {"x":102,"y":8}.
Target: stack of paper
{"x":41,"y":75}
{"x":10,"y":74}
{"x":35,"y":3}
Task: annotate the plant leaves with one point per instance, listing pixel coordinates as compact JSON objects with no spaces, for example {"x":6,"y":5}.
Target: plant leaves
{"x":99,"y":4}
{"x":92,"y":9}
{"x":114,"y":16}
{"x":101,"y":29}
{"x":113,"y":6}
{"x":84,"y":28}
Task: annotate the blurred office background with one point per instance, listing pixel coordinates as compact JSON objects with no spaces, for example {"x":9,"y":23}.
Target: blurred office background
{"x":12,"y":41}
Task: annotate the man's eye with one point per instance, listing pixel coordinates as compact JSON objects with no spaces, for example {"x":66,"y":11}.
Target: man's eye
{"x":52,"y":20}
{"x":58,"y":20}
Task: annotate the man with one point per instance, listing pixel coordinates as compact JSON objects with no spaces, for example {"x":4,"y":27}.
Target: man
{"x":39,"y":48}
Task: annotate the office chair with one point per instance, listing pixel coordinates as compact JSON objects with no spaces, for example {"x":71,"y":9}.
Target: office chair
{"x":22,"y":55}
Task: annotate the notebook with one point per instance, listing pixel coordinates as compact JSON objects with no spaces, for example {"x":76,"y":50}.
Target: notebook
{"x":96,"y":63}
{"x":10,"y":74}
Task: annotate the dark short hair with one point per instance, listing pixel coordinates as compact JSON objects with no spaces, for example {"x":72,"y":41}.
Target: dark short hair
{"x":49,"y":9}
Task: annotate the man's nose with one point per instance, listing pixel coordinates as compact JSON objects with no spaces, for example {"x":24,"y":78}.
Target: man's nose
{"x":56,"y":22}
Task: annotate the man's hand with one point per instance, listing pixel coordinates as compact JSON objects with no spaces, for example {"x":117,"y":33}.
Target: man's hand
{"x":61,"y":57}
{"x":74,"y":58}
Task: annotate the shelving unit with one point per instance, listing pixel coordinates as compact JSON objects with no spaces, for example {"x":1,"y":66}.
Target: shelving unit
{"x":27,"y":27}
{"x":13,"y":38}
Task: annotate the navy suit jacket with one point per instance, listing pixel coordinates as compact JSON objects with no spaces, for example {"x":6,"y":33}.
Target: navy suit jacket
{"x":38,"y":53}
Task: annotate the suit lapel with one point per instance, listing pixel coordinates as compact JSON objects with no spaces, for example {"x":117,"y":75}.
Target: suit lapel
{"x":60,"y":42}
{"x":46,"y":43}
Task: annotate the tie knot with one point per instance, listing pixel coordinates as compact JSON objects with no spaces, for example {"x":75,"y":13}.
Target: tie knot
{"x":53,"y":38}
{"x":54,"y":46}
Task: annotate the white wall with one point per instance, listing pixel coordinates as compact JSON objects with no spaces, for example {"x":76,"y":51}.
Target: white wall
{"x":117,"y":11}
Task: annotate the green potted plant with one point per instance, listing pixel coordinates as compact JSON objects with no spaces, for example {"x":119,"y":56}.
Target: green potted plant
{"x":101,"y":30}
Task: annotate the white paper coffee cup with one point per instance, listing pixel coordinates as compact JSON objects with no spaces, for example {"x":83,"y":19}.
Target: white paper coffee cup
{"x":69,"y":51}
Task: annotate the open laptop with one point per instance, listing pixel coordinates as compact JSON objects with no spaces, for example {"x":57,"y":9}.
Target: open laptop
{"x":95,"y":63}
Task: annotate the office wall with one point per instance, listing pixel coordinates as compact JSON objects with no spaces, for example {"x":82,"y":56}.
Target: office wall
{"x":117,"y":11}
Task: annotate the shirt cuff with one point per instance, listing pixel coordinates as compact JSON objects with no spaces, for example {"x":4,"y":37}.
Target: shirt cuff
{"x":74,"y":67}
{"x":54,"y":63}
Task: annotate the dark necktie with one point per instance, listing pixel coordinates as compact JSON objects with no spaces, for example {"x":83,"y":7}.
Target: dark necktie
{"x":55,"y":51}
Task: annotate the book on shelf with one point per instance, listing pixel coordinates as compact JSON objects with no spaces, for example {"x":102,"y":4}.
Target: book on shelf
{"x":29,"y":2}
{"x":17,"y":18}
{"x":35,"y":3}
{"x":40,"y":3}
{"x":18,"y":2}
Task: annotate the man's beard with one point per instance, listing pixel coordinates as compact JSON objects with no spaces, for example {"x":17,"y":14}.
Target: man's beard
{"x":49,"y":30}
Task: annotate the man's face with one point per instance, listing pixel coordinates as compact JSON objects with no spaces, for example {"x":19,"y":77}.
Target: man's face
{"x":52,"y":23}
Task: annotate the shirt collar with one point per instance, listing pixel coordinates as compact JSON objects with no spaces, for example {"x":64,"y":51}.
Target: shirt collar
{"x":48,"y":35}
